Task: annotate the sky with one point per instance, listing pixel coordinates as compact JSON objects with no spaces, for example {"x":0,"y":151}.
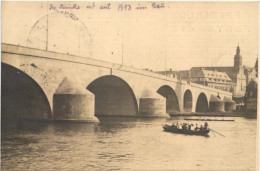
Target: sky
{"x":153,"y":35}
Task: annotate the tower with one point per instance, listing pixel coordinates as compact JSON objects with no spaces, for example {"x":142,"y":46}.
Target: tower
{"x":239,"y":75}
{"x":238,"y":59}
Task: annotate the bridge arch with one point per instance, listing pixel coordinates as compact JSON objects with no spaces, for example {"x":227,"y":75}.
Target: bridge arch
{"x":22,"y":96}
{"x":113,"y":96}
{"x":202,"y":103}
{"x":187,"y":101}
{"x":172,"y":103}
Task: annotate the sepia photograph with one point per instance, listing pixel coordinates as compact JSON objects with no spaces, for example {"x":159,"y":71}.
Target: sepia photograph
{"x":129,"y":85}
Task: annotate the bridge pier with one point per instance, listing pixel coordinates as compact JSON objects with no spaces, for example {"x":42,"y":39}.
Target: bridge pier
{"x":71,"y":102}
{"x":230,"y":105}
{"x":216,"y":104}
{"x":152,"y":104}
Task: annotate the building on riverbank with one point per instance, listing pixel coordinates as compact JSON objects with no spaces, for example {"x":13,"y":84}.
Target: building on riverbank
{"x":230,"y":78}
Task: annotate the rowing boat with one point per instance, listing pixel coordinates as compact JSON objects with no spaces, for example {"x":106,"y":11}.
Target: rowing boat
{"x":173,"y":129}
{"x":209,"y":119}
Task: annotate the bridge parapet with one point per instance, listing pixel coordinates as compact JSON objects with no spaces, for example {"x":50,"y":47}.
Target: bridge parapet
{"x":14,"y":49}
{"x":8,"y":48}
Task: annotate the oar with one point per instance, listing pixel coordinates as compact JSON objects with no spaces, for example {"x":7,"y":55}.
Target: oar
{"x":214,"y":133}
{"x":217,"y":132}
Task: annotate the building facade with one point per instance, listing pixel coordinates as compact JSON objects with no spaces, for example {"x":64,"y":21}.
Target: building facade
{"x":236,"y":74}
{"x":214,"y":79}
{"x":231,"y":78}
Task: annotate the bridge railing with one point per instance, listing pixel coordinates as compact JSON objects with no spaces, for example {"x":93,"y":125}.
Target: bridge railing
{"x":33,"y":52}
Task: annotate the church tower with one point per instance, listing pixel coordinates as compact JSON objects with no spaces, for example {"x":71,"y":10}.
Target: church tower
{"x":238,"y":59}
{"x":239,"y":75}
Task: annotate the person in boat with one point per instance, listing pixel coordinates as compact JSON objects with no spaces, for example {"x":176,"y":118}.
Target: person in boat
{"x":201,"y":127}
{"x":173,"y":125}
{"x":206,"y":125}
{"x":189,"y":127}
{"x":196,"y":128}
{"x":185,"y":126}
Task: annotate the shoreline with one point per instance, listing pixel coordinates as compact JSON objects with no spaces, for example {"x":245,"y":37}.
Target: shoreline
{"x":218,"y":114}
{"x":170,"y":115}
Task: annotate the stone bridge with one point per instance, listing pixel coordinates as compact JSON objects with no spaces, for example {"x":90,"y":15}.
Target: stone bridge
{"x":38,"y":84}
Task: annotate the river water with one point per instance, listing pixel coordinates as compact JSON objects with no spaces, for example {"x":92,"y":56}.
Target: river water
{"x":127,"y":144}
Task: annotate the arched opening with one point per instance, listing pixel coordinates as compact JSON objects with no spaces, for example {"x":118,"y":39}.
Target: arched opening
{"x":202,"y":104}
{"x":113,"y":96}
{"x":187,"y":101}
{"x":172,"y":103}
{"x":22,"y":97}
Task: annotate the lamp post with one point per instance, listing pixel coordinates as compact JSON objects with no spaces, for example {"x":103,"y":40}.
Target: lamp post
{"x":165,"y":64}
{"x":47,"y":28}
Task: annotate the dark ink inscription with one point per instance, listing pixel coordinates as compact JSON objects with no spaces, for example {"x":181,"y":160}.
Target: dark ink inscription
{"x":91,"y":6}
{"x":68,"y":14}
{"x":124,"y":7}
{"x":74,"y":6}
{"x":139,"y":7}
{"x":158,"y":6}
{"x":52,"y":7}
{"x":107,"y":6}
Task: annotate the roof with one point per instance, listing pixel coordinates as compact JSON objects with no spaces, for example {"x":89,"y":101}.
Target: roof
{"x":210,"y":76}
{"x":230,"y":71}
{"x":184,"y":74}
{"x":214,"y":76}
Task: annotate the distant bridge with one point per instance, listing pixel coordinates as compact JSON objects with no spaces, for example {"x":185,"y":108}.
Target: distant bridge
{"x":42,"y":84}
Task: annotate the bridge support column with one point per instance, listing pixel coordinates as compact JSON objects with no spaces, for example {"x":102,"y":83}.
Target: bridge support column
{"x":230,"y":105}
{"x":71,"y":102}
{"x":152,"y":104}
{"x":216,"y":104}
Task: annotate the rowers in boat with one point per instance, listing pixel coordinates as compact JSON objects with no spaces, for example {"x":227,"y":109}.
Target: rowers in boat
{"x":186,"y":129}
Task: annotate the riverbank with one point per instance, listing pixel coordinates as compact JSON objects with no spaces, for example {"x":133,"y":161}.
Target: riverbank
{"x":217,"y":114}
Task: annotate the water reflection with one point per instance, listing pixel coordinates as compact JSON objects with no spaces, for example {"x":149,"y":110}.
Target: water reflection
{"x":126,"y":143}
